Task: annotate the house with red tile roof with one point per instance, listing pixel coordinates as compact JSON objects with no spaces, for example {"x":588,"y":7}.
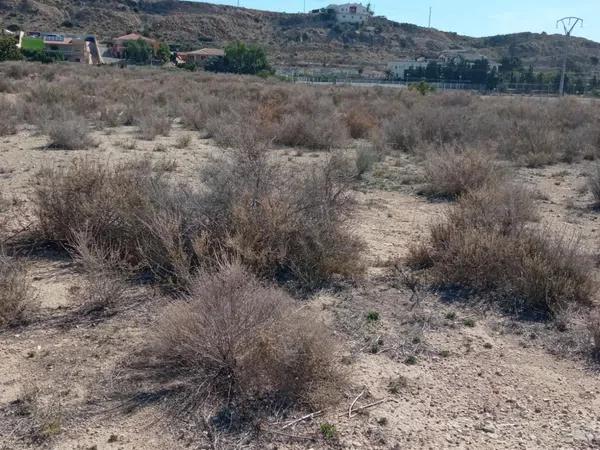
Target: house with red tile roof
{"x":118,"y":45}
{"x":200,"y":56}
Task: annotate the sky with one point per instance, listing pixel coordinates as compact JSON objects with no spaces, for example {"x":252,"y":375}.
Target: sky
{"x":468,"y":17}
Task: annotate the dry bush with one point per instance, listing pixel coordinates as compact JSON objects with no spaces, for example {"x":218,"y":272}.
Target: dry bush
{"x":153,"y":123}
{"x":450,"y":172}
{"x":284,"y":223}
{"x":68,"y":132}
{"x":197,"y":112}
{"x":287,"y":224}
{"x":184,"y":141}
{"x":484,"y":247}
{"x":237,"y":130}
{"x":43,"y":416}
{"x":103,"y":270}
{"x":16,"y":292}
{"x":366,"y":157}
{"x":239,"y":341}
{"x":594,"y":184}
{"x":401,"y":132}
{"x":594,"y":330}
{"x":311,"y":124}
{"x":8,"y":118}
{"x":359,"y":123}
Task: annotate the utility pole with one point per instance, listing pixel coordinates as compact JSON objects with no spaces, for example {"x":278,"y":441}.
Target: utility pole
{"x":569,"y":24}
{"x":430,"y":17}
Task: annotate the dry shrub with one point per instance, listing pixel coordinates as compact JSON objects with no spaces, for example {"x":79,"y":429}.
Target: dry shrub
{"x":237,"y":130}
{"x":401,"y":133}
{"x":68,"y":132}
{"x":16,"y":292}
{"x":315,"y":125}
{"x":287,"y":223}
{"x":104,"y":286}
{"x":450,"y":172}
{"x":8,"y":118}
{"x":153,"y":123}
{"x":359,"y":123}
{"x":485,"y":248}
{"x":195,"y":115}
{"x":594,"y":330}
{"x":239,"y":341}
{"x":366,"y":157}
{"x":594,"y":184}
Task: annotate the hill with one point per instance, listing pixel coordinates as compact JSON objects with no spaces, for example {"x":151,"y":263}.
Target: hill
{"x":291,"y":39}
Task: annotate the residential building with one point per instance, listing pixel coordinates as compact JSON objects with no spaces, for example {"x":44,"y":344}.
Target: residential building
{"x":70,"y":47}
{"x":397,"y":68}
{"x":200,"y":56}
{"x":351,"y":13}
{"x":119,"y":44}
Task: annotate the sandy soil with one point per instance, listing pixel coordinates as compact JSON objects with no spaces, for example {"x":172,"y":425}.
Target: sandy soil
{"x":490,"y":382}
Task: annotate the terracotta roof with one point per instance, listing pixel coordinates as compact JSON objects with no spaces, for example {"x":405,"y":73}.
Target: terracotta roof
{"x":205,"y":52}
{"x":133,"y":37}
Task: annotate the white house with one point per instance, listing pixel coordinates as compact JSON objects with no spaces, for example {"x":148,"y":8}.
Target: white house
{"x":351,"y":13}
{"x":397,"y":68}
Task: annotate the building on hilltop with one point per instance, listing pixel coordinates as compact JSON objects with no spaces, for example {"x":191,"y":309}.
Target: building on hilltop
{"x":351,"y":12}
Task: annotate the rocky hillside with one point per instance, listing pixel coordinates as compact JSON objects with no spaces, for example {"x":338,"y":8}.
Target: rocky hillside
{"x":292,"y":39}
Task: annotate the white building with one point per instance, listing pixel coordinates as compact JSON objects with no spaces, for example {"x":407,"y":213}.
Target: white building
{"x":397,"y":68}
{"x":351,"y":13}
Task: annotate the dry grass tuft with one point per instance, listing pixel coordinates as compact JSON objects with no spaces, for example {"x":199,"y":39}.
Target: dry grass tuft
{"x":239,"y":341}
{"x":16,"y":292}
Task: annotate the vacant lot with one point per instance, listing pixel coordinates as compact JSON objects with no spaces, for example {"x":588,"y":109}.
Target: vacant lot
{"x":191,"y":261}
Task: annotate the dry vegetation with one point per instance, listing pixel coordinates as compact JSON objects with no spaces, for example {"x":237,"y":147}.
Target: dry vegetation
{"x":239,"y":281}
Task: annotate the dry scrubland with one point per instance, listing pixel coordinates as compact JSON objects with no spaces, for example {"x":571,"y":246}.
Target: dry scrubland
{"x":198,"y":261}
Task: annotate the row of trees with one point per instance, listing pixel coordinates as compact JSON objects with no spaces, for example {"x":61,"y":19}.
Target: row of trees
{"x":510,"y":71}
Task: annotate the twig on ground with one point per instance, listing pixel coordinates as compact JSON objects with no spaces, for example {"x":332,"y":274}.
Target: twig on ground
{"x":352,"y":404}
{"x":306,"y":417}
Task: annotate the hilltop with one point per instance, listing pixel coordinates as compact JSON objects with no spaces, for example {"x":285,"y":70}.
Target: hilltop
{"x":291,"y":39}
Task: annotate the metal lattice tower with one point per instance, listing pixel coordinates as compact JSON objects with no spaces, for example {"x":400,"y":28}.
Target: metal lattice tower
{"x":568,"y":24}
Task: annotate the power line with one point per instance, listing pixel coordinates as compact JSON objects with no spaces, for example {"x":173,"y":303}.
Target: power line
{"x":569,"y":24}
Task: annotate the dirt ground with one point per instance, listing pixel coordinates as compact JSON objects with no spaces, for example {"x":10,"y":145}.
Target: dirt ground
{"x":449,"y":375}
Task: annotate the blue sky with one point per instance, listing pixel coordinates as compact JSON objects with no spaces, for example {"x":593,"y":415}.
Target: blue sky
{"x":469,"y":17}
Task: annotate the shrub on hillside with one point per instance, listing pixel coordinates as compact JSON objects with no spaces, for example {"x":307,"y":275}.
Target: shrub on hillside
{"x":450,"y":173}
{"x":241,"y":341}
{"x":484,"y":248}
{"x":15,"y":290}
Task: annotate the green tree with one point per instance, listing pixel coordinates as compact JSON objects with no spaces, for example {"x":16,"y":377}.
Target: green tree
{"x":163,"y":53}
{"x":139,"y":52}
{"x":8,"y":49}
{"x":241,"y":58}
